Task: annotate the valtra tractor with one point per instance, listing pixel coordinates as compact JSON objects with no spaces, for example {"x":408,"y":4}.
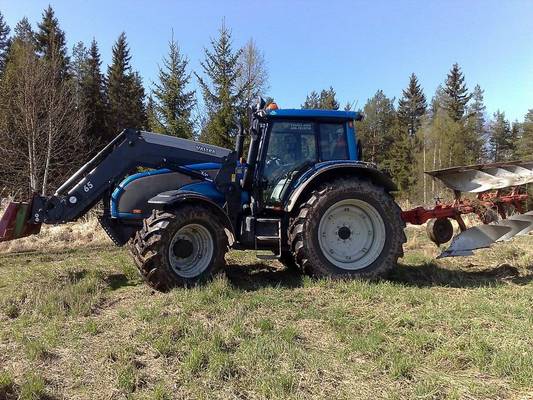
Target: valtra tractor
{"x":304,"y":193}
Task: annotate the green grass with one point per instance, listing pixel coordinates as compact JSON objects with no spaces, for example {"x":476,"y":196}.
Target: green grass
{"x":81,"y":324}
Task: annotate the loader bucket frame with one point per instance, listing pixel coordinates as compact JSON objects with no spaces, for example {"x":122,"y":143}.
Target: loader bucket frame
{"x":15,"y":222}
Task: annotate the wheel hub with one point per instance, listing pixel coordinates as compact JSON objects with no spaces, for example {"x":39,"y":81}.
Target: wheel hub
{"x":344,"y":232}
{"x":183,"y":248}
{"x":351,"y":234}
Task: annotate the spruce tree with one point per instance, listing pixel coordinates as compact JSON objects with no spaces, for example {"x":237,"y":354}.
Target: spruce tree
{"x":220,"y":90}
{"x":412,"y":106}
{"x":524,"y":145}
{"x":125,"y":93}
{"x":328,"y":99}
{"x":78,"y":69}
{"x":174,"y":103}
{"x":51,"y":43}
{"x":475,"y":129}
{"x":457,"y":95}
{"x":152,"y":121}
{"x":138,"y":107}
{"x":312,"y":101}
{"x":4,"y":42}
{"x":501,"y":138}
{"x":24,"y":32}
{"x":377,"y":129}
{"x":438,"y":102}
{"x":94,"y":97}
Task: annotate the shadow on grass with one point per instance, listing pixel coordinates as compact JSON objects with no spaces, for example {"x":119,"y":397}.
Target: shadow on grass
{"x":259,"y":275}
{"x":431,"y":274}
{"x":117,"y":281}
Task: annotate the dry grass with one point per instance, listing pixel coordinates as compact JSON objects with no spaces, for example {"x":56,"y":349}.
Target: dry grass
{"x":78,"y":323}
{"x":85,"y":232}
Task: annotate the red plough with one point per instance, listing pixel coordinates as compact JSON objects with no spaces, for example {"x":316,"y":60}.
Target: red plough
{"x":499,"y":207}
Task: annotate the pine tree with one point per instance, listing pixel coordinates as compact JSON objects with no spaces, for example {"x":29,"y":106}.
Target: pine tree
{"x":51,"y":43}
{"x":4,"y":42}
{"x":412,"y":106}
{"x":94,"y":98}
{"x":312,"y":101}
{"x":174,"y":103}
{"x":124,"y":91}
{"x":456,"y":92}
{"x":525,"y":142}
{"x":501,"y":138}
{"x":220,"y":91}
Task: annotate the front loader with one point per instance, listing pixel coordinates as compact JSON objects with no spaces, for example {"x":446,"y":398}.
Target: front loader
{"x":303,"y":193}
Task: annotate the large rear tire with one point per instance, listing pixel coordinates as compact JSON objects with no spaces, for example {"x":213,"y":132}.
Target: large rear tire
{"x":180,"y":248}
{"x":348,"y":228}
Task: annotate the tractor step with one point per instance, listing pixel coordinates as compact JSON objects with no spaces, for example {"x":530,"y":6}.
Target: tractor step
{"x":267,"y":257}
{"x":268,"y":231}
{"x":267,"y":238}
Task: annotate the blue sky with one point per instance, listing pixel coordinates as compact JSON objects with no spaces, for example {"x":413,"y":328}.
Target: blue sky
{"x":355,"y":46}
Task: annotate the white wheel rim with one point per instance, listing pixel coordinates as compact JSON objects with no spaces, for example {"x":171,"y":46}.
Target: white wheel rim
{"x":191,"y":250}
{"x":351,"y":234}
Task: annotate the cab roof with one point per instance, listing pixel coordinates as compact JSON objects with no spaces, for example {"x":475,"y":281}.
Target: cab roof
{"x":329,"y":114}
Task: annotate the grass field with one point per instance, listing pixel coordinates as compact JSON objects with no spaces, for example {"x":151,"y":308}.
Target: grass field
{"x":79,"y":324}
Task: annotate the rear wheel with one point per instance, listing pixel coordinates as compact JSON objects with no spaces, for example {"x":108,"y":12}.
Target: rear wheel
{"x":348,"y":228}
{"x":179,"y":248}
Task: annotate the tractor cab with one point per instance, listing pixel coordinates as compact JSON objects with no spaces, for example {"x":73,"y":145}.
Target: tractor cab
{"x":287,"y":143}
{"x":288,"y":149}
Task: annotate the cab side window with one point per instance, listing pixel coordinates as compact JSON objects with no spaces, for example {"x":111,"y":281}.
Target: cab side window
{"x":333,"y":145}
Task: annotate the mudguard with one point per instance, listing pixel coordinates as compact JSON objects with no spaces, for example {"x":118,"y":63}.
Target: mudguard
{"x":174,"y":198}
{"x":333,"y":169}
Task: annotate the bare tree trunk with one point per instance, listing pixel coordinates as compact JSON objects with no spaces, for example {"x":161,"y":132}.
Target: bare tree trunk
{"x":48,"y":156}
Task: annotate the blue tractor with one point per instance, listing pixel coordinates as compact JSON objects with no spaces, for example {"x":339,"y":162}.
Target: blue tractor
{"x":302,"y":193}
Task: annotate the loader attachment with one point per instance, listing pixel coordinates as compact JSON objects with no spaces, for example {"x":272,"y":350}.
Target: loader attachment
{"x":15,"y":223}
{"x":499,"y":191}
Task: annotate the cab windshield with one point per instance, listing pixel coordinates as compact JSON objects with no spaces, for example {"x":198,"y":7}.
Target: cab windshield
{"x":291,"y":146}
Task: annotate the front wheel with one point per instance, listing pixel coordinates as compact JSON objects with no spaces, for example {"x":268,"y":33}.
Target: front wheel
{"x":179,"y":248}
{"x":348,"y":228}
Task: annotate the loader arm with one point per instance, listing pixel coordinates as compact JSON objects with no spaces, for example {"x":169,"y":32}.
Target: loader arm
{"x":129,"y":150}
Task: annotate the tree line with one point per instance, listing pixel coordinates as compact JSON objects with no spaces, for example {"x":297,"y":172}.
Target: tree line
{"x":452,"y":129}
{"x":59,"y":107}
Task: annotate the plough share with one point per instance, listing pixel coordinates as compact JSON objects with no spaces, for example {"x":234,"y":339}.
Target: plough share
{"x":500,"y":204}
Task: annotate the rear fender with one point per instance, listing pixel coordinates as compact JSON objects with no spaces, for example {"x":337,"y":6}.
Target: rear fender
{"x":331,"y":170}
{"x":176,"y":198}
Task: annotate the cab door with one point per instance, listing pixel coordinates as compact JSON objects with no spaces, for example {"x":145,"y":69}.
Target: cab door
{"x":290,"y":145}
